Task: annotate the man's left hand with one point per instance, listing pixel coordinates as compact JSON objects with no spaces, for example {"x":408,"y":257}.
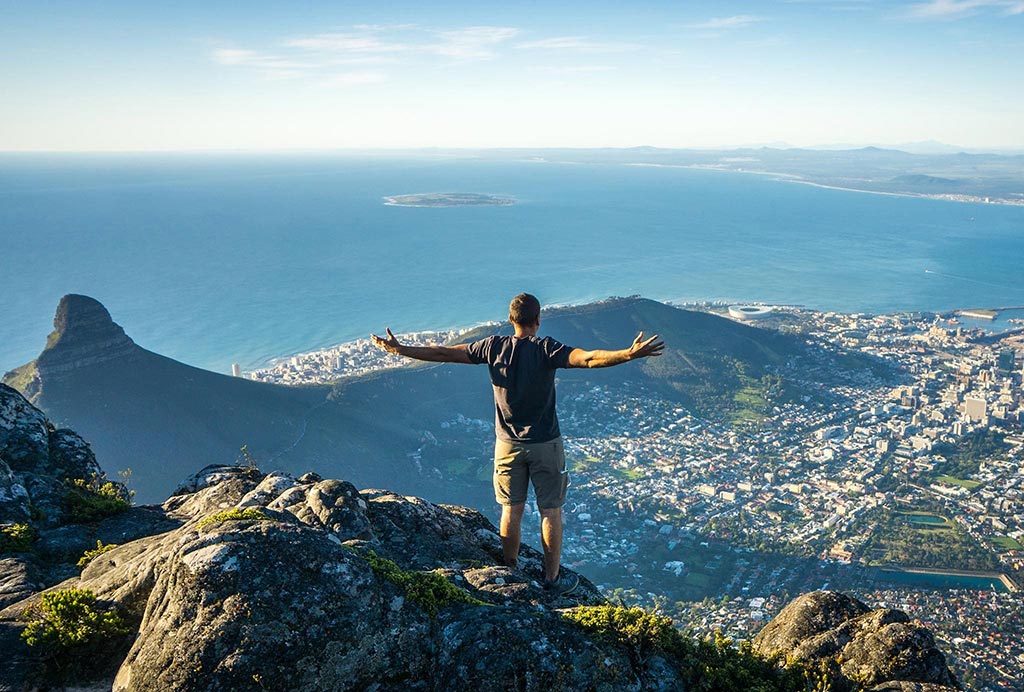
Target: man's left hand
{"x":389,"y":344}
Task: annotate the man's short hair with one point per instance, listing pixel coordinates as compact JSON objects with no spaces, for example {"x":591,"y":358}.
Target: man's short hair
{"x":524,"y":310}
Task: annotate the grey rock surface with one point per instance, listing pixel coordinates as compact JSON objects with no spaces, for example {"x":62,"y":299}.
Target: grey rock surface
{"x":36,"y":461}
{"x":298,"y":601}
{"x":20,"y":577}
{"x":334,"y":588}
{"x":870,"y":647}
{"x":24,"y":432}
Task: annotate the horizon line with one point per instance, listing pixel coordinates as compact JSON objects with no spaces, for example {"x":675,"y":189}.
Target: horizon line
{"x":951,"y":149}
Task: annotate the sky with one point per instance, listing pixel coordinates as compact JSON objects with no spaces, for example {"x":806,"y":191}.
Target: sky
{"x":251,"y":75}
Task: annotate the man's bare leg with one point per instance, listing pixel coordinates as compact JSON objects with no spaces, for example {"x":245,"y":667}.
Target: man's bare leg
{"x":551,"y":541}
{"x":511,"y":521}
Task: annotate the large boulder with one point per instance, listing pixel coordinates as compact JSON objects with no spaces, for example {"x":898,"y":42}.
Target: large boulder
{"x":36,"y":461}
{"x":869,"y":648}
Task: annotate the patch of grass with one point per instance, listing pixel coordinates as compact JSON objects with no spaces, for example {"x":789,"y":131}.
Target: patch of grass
{"x":428,"y":590}
{"x":17,"y":538}
{"x":962,"y":482}
{"x":628,"y":474}
{"x":470,"y":563}
{"x":91,"y":555}
{"x":750,"y":401}
{"x":234,"y":514}
{"x":1006,"y":543}
{"x":94,"y":499}
{"x":584,"y":463}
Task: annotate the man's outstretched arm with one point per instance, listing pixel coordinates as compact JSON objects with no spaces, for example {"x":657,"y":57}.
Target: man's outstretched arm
{"x":435,"y":354}
{"x":640,"y":348}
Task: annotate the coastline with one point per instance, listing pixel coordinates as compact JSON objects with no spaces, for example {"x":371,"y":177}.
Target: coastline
{"x":446,"y":334}
{"x":794,"y":178}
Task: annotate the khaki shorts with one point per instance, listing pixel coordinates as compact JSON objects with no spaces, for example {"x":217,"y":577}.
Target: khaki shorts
{"x":516,"y":464}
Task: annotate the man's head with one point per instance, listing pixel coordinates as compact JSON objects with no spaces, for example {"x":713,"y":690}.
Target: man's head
{"x":524,"y":310}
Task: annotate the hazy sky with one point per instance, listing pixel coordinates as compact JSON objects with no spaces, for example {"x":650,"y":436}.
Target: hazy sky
{"x":322,"y":75}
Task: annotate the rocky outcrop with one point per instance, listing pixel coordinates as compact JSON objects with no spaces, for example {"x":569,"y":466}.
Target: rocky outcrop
{"x":83,"y":334}
{"x":315,"y":585}
{"x":36,"y":460}
{"x":243,"y":580}
{"x":300,"y":600}
{"x":876,"y":649}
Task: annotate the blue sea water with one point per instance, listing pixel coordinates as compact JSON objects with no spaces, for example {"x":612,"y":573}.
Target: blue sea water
{"x":215,"y":259}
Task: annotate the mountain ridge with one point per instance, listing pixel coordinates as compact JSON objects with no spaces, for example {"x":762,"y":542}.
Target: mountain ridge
{"x":160,"y":417}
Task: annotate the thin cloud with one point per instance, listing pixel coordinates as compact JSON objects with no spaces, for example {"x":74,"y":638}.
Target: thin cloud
{"x":385,"y":27}
{"x":319,"y":56}
{"x":955,"y":9}
{"x":736,"y":21}
{"x":575,"y":43}
{"x":473,"y":42}
{"x":272,"y":66}
{"x":347,"y":43}
{"x":576,"y":69}
{"x":234,"y":56}
{"x":351,"y":79}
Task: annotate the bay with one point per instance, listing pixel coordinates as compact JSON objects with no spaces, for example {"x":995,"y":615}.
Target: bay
{"x":220,"y":258}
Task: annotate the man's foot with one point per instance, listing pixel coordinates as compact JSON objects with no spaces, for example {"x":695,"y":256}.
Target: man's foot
{"x":564,"y":584}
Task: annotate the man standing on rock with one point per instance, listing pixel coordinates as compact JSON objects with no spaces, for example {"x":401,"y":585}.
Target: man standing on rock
{"x":529,"y":445}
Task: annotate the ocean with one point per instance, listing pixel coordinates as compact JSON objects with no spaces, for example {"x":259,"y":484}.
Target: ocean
{"x":220,"y":258}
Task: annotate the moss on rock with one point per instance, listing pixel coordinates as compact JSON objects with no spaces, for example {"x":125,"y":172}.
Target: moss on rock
{"x":429,"y":590}
{"x":234,"y":514}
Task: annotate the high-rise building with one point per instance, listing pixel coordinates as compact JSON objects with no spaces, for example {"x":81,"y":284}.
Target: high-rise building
{"x":236,"y":370}
{"x":975,"y":408}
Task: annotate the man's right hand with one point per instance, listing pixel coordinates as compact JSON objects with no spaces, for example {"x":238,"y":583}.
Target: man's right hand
{"x":389,"y":344}
{"x":644,"y":349}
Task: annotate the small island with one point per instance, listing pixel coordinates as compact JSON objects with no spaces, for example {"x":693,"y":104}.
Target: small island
{"x":448,"y":199}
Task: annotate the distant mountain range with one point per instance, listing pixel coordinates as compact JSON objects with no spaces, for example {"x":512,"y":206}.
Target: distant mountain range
{"x":945,"y":171}
{"x":164,"y":419}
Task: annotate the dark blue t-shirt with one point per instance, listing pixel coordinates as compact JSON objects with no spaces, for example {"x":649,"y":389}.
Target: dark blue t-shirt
{"x":523,"y":377}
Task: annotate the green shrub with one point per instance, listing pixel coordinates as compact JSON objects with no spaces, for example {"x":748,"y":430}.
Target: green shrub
{"x":428,"y":590}
{"x":642,"y":633}
{"x":94,"y":499}
{"x":16,"y":538}
{"x":709,"y":665}
{"x":90,"y":555}
{"x":234,"y":514}
{"x":68,"y":620}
